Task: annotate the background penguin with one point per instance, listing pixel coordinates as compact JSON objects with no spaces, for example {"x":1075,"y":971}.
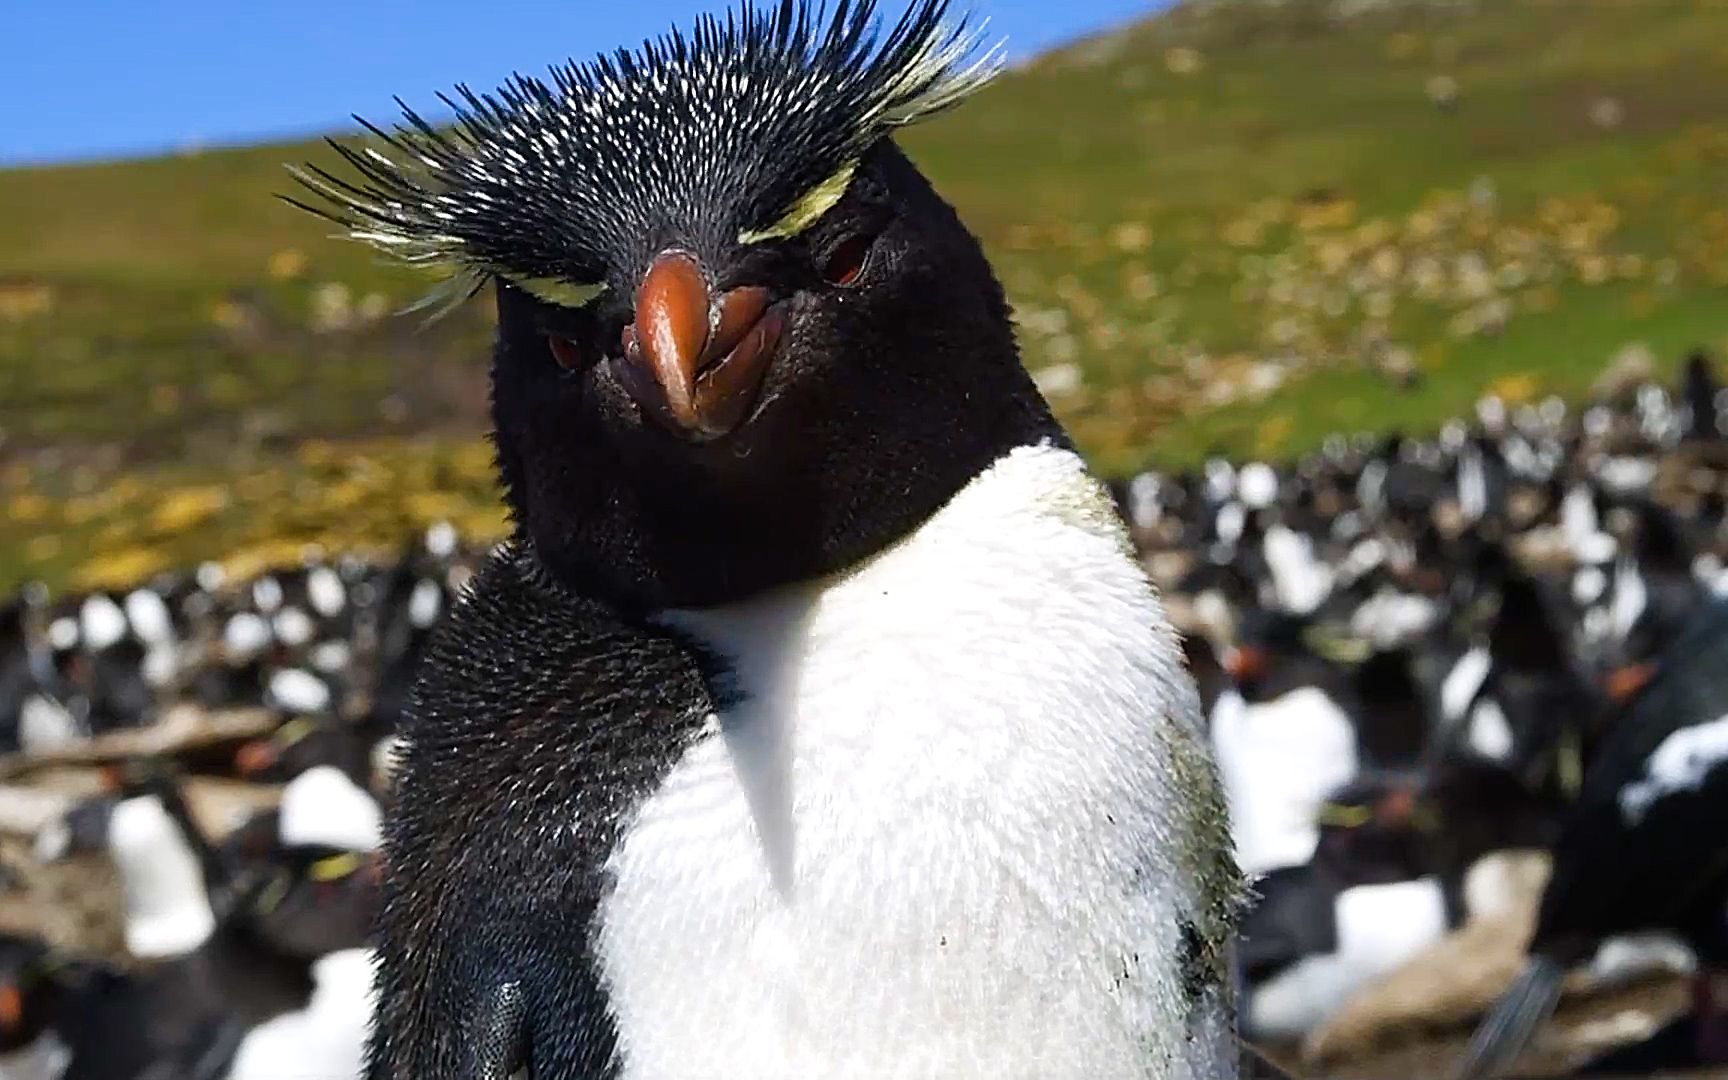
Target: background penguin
{"x":247,"y":971}
{"x":1283,"y":740}
{"x":818,"y":720}
{"x":17,"y":679}
{"x":1642,"y":849}
{"x":29,"y":1048}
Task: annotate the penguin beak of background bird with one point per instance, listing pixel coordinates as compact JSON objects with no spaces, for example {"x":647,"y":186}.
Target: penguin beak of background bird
{"x":1396,"y":808}
{"x":254,"y":757}
{"x":113,"y":778}
{"x":695,"y":361}
{"x":1624,"y":683}
{"x":11,"y":1008}
{"x":1246,"y":663}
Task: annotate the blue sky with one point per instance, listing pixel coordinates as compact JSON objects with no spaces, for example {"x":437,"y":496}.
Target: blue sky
{"x":107,"y":78}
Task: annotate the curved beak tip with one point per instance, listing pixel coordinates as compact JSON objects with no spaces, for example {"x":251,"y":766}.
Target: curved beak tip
{"x":1624,"y":683}
{"x":253,"y":758}
{"x":1398,"y":807}
{"x":1245,"y":663}
{"x":694,"y":361}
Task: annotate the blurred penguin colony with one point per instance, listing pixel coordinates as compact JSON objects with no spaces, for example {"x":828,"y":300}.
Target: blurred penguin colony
{"x":1416,"y":655}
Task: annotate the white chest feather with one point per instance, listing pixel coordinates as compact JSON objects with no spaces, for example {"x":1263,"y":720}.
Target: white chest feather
{"x":1379,"y":927}
{"x":1679,"y":763}
{"x":1463,"y":683}
{"x":45,"y":1058}
{"x":1490,"y":731}
{"x":1279,"y":760}
{"x":325,"y":1039}
{"x":44,"y":724}
{"x":167,"y":908}
{"x":1300,"y":581}
{"x":322,"y":806}
{"x":953,"y":828}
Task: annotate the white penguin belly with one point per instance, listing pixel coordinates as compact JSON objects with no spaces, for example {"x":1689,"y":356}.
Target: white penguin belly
{"x":960,"y":823}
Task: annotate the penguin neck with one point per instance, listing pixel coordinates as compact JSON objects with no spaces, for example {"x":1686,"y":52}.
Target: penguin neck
{"x":776,"y":646}
{"x":168,"y":910}
{"x":656,"y":523}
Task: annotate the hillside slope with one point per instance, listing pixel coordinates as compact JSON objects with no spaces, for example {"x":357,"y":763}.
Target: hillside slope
{"x":1238,"y":225}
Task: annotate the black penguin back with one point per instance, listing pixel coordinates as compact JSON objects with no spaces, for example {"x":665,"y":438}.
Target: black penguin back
{"x":1639,"y":851}
{"x":1698,"y":391}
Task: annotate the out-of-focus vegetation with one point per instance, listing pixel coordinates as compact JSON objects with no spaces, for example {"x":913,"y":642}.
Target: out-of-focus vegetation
{"x":1239,"y":225}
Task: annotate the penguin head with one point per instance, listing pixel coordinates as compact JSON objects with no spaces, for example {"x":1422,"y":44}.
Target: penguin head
{"x":82,"y":830}
{"x":26,"y":967}
{"x":87,"y":826}
{"x":1373,"y":829}
{"x":298,"y":745}
{"x":741,"y":339}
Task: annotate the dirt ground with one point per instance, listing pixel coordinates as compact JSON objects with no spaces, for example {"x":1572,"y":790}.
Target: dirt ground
{"x":1578,"y":1033}
{"x":76,"y":905}
{"x":1407,"y":1028}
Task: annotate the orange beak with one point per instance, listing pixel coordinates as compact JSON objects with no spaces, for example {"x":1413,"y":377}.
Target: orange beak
{"x":11,"y":1008}
{"x":1398,"y":807}
{"x":692,"y":361}
{"x":254,"y":757}
{"x":1247,"y":663}
{"x":1624,"y":683}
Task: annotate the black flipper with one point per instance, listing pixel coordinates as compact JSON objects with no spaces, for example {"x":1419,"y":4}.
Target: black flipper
{"x":495,"y":1046}
{"x":206,"y":1052}
{"x":1509,"y":1026}
{"x":1255,"y":1065}
{"x":534,"y":710}
{"x":502,"y":1046}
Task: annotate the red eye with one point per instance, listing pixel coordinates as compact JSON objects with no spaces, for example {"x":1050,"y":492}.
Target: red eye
{"x":847,"y":259}
{"x":564,"y":351}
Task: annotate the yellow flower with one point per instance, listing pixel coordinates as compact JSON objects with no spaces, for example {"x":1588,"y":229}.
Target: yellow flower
{"x":118,"y":569}
{"x":287,"y":264}
{"x":1515,"y":389}
{"x":1272,"y":434}
{"x":262,"y":555}
{"x":227,"y":314}
{"x":23,"y":300}
{"x":27,"y":508}
{"x":180,"y":510}
{"x":1184,"y":61}
{"x":430,"y":506}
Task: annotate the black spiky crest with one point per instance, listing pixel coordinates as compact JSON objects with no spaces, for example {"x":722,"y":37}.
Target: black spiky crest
{"x":733,"y":133}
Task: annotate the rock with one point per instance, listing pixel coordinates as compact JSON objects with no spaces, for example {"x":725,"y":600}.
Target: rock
{"x":182,"y":729}
{"x":1447,"y":985}
{"x":1633,"y":363}
{"x":1607,"y":113}
{"x":1058,"y":380}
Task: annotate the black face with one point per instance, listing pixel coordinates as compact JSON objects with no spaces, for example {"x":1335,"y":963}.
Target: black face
{"x":728,"y":416}
{"x":23,"y":981}
{"x":799,"y":352}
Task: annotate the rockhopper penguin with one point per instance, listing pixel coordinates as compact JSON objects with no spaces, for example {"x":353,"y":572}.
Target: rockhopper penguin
{"x":1641,"y":849}
{"x":818,"y":720}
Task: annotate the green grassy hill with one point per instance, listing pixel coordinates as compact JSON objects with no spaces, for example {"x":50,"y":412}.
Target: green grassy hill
{"x":1238,"y":225}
